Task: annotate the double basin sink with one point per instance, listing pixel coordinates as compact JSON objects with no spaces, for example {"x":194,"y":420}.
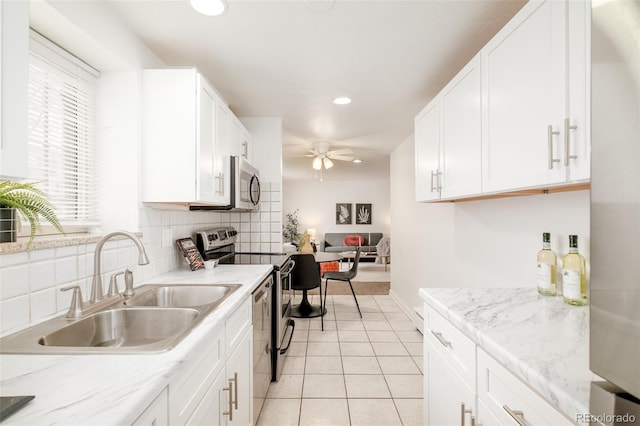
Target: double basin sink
{"x":155,"y":319}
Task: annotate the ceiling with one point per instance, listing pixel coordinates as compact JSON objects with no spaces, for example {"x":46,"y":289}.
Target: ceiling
{"x":291,"y":58}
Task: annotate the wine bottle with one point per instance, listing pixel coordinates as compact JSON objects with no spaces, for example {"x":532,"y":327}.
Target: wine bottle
{"x":547,"y":268}
{"x":574,"y":285}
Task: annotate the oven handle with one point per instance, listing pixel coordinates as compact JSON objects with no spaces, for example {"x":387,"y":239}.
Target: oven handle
{"x":287,"y":268}
{"x":291,"y":323}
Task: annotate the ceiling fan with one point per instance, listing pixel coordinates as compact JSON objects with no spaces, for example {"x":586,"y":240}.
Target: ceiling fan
{"x":323,"y":156}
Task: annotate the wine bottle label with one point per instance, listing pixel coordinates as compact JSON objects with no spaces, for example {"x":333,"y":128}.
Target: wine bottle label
{"x":571,"y":284}
{"x":544,"y":275}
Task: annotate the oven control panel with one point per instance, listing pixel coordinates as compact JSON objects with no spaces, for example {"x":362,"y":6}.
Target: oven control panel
{"x":213,"y":238}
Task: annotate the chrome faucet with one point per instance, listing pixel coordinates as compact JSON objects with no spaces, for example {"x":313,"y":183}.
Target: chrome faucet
{"x":97,"y":293}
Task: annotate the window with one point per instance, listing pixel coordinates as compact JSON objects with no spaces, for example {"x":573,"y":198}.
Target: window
{"x":61,"y":131}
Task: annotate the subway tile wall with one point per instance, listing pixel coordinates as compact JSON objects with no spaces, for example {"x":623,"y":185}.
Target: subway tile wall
{"x":30,"y":282}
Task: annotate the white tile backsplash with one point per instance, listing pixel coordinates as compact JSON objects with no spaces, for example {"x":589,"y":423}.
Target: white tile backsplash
{"x":30,"y":281}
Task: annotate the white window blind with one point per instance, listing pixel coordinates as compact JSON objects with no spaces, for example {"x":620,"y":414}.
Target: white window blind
{"x":62,"y":97}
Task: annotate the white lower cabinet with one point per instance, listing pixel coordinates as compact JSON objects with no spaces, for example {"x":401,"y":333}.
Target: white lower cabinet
{"x":466,"y":386}
{"x":448,"y":400}
{"x":157,"y":413}
{"x":215,"y":385}
{"x":509,"y":400}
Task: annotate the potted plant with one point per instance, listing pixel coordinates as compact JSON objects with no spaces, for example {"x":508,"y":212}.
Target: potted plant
{"x":290,"y":229}
{"x":23,"y":199}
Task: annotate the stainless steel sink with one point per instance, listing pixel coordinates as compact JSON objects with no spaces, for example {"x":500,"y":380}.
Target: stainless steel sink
{"x":156,"y":319}
{"x":122,"y":327}
{"x":180,"y":296}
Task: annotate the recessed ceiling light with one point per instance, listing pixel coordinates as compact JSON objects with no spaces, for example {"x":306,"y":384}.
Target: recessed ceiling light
{"x":209,"y":7}
{"x":357,"y":160}
{"x":343,"y":100}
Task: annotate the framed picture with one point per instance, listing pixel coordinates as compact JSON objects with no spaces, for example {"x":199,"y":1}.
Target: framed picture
{"x":343,"y":214}
{"x":363,"y":214}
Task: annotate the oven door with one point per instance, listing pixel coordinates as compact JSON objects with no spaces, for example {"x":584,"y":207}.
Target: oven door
{"x":247,"y":185}
{"x":284,"y":326}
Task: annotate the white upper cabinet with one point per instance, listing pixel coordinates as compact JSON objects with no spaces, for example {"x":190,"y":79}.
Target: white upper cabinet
{"x":534,"y":129}
{"x":462,"y":133}
{"x":448,"y":139}
{"x":240,"y":140}
{"x":517,"y":116}
{"x":427,"y":152}
{"x":185,"y":139}
{"x":14,"y":81}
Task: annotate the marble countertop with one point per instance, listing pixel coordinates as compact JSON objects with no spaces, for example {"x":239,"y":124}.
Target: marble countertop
{"x":114,"y":389}
{"x":539,"y":339}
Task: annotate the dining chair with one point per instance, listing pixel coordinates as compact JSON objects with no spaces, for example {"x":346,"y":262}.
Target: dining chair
{"x":305,"y":276}
{"x":345,"y":276}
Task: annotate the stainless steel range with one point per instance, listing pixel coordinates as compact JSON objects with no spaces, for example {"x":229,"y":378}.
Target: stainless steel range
{"x":283,"y":325}
{"x":219,"y":244}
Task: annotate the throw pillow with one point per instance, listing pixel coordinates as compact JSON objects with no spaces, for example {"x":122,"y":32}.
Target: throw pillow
{"x":353,"y":240}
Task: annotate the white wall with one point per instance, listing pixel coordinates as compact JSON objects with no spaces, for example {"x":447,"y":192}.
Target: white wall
{"x":30,"y":282}
{"x":489,"y":243}
{"x":316,"y":202}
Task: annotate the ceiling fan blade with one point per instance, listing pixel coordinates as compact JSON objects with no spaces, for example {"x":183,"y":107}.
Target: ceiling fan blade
{"x":341,"y":157}
{"x":341,"y":151}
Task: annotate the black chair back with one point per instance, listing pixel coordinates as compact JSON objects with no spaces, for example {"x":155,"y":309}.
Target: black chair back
{"x":306,"y":274}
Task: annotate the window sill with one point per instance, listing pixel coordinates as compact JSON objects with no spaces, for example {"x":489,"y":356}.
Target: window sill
{"x":52,"y":241}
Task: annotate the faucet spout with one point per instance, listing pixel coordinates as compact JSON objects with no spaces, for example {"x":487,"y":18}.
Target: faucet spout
{"x":97,"y":293}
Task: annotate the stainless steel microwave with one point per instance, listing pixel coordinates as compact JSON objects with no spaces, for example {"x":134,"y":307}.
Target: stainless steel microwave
{"x":245,"y":188}
{"x":245,"y":185}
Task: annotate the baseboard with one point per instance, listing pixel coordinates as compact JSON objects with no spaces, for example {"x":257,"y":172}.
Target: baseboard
{"x":410,"y":312}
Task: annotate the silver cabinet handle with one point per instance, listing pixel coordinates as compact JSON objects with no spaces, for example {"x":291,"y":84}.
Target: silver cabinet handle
{"x":235,"y":389}
{"x":433,"y":172}
{"x":517,"y":415}
{"x":441,"y":339}
{"x":464,"y":411}
{"x":439,"y":173}
{"x":550,"y":134}
{"x":567,"y":130}
{"x":230,"y":412}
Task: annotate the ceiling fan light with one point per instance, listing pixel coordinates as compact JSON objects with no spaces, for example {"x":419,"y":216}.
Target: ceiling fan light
{"x":209,"y":7}
{"x":327,"y":163}
{"x":357,"y":160}
{"x":317,"y":163}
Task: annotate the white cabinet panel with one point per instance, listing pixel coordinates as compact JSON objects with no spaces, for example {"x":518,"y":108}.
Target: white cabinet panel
{"x":184,"y":139}
{"x":240,"y":371}
{"x":427,"y":152}
{"x":448,"y":400}
{"x":524,"y":72}
{"x":462,"y":133}
{"x":455,"y":348}
{"x":14,"y":81}
{"x":508,"y":398}
{"x":157,"y":413}
{"x":536,"y":98}
{"x":448,"y":140}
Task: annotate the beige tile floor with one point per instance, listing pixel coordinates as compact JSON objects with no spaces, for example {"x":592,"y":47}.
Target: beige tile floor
{"x":356,"y":372}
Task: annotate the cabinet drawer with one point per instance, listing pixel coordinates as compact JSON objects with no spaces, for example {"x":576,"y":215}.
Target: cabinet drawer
{"x":237,"y":324}
{"x":194,"y":381}
{"x":501,"y":392}
{"x":156,"y":414}
{"x":457,"y":349}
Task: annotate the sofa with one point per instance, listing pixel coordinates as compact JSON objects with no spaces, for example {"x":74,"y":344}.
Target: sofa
{"x":334,"y":241}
